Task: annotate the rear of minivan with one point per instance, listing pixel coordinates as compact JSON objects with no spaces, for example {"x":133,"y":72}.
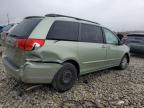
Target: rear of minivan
{"x":24,"y":45}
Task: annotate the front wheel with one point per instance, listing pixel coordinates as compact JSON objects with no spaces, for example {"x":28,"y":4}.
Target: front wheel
{"x":65,"y":77}
{"x":124,"y":63}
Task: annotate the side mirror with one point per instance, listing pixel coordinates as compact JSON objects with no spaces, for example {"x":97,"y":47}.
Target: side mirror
{"x":121,"y":42}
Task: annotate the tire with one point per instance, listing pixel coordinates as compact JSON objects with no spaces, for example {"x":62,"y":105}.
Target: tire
{"x":124,"y":63}
{"x":65,"y":78}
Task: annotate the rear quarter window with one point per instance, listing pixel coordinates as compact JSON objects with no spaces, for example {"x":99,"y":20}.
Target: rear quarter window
{"x":64,"y":30}
{"x":91,"y":33}
{"x":25,"y":28}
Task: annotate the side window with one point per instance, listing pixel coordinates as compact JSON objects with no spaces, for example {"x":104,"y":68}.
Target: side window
{"x":110,"y":37}
{"x":91,"y":33}
{"x":64,"y":30}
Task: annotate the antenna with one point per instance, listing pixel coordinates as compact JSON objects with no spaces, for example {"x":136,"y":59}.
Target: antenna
{"x":8,"y":19}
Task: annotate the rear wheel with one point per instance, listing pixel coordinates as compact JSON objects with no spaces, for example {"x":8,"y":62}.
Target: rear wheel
{"x":124,"y":63}
{"x":65,"y":77}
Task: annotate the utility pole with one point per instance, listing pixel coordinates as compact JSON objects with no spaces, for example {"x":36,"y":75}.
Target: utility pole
{"x":8,"y":18}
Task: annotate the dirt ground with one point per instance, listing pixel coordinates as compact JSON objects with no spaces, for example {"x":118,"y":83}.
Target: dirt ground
{"x":109,"y":88}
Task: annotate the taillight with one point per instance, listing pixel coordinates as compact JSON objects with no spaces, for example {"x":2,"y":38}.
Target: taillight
{"x":29,"y":44}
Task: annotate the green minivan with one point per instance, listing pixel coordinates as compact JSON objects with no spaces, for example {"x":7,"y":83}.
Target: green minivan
{"x":57,"y":49}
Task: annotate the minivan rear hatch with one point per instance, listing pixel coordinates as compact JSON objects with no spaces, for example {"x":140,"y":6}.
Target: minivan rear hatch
{"x":22,"y":31}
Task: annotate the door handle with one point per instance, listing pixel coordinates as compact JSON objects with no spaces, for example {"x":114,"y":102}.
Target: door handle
{"x":103,"y":46}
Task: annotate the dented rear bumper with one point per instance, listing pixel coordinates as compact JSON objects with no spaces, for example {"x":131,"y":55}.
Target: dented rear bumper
{"x":32,"y":72}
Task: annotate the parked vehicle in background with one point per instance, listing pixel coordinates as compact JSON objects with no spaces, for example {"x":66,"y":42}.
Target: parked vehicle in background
{"x":0,"y":32}
{"x":136,"y":42}
{"x":1,"y":28}
{"x":57,"y":49}
{"x":4,"y":31}
{"x":7,"y":27}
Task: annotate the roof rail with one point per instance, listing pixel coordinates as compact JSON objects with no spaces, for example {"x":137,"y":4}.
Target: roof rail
{"x":33,"y":17}
{"x":58,"y":15}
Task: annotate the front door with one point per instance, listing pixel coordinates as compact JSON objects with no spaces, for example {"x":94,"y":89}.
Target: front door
{"x":114,"y":51}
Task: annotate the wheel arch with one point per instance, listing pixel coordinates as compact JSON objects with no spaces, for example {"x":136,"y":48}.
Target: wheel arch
{"x":75,"y":63}
{"x":128,"y":56}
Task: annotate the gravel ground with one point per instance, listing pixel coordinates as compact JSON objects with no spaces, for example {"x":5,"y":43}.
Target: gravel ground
{"x":109,"y":88}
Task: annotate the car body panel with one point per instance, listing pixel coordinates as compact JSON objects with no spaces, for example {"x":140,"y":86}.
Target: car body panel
{"x":91,"y":56}
{"x":55,"y":51}
{"x":115,"y":54}
{"x":41,"y":30}
{"x":32,"y":72}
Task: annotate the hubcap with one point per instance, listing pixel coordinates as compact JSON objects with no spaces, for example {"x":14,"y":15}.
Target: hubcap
{"x":67,"y":76}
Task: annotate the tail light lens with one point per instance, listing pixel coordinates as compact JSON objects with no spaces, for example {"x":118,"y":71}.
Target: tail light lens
{"x":29,"y":44}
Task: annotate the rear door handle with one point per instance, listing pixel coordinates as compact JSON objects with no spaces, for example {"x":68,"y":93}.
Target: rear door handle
{"x":103,"y":46}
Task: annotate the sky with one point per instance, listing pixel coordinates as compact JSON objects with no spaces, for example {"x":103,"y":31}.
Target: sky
{"x":118,"y":15}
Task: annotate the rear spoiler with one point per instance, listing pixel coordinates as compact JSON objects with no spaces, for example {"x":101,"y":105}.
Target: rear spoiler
{"x":29,"y":17}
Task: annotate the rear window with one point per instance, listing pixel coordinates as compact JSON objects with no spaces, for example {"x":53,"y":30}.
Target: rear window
{"x":25,"y":28}
{"x":64,"y":30}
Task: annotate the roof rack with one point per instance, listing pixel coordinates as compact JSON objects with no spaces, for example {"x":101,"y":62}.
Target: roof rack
{"x":58,"y":15}
{"x":33,"y":17}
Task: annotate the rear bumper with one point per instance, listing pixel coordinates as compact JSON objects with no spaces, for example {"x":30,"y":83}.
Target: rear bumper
{"x":136,"y":48}
{"x":32,"y":72}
